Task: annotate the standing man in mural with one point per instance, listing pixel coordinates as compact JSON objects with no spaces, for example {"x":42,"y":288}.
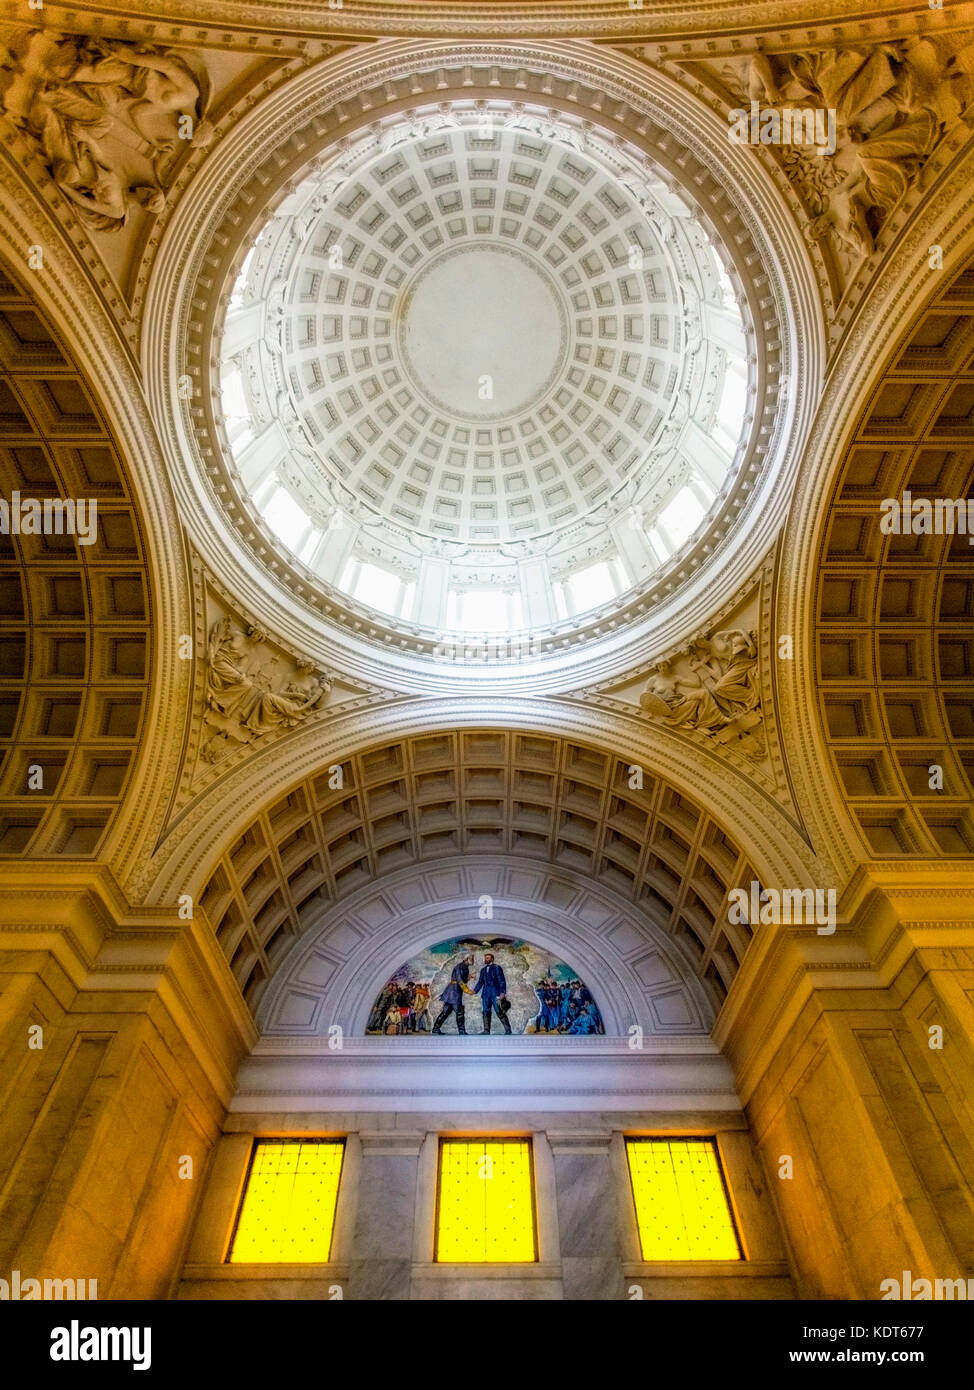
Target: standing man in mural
{"x":421,"y":1005}
{"x":564,"y":1006}
{"x":492,"y":988}
{"x":547,"y":992}
{"x":452,"y":996}
{"x":541,"y":1018}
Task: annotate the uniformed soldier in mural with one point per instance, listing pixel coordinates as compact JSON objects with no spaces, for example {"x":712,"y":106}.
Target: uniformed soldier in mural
{"x":452,"y":996}
{"x":492,"y":988}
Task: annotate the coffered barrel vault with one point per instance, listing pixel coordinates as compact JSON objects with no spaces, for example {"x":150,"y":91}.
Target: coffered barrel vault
{"x":76,"y":642}
{"x":444,"y":796}
{"x":895,"y":651}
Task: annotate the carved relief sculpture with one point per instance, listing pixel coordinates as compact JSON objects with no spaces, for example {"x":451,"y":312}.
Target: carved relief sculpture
{"x":109,"y":117}
{"x":893,"y":106}
{"x":711,"y":686}
{"x":893,"y":103}
{"x":287,"y":707}
{"x":241,"y":701}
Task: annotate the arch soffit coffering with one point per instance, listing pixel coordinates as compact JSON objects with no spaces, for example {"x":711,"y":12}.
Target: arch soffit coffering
{"x":188,"y":855}
{"x":87,"y":339}
{"x":446,"y":793}
{"x":894,"y":610}
{"x":895,"y":303}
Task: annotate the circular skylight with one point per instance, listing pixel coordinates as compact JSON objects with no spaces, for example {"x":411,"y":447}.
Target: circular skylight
{"x":486,"y":373}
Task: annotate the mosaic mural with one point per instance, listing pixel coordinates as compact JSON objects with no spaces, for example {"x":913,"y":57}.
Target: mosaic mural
{"x":482,"y":985}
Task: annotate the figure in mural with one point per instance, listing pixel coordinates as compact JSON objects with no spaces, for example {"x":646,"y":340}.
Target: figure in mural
{"x":528,"y":989}
{"x":587,"y":1021}
{"x":546,"y":1020}
{"x":452,"y":996}
{"x":492,"y":988}
{"x":420,"y":1009}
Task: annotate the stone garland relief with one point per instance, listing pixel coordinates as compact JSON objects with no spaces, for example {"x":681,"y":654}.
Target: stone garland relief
{"x":894,"y":103}
{"x":246,"y":697}
{"x":711,"y":686}
{"x":109,"y":118}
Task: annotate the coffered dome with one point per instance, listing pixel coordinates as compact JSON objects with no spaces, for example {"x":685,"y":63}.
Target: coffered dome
{"x":483,"y":370}
{"x":506,"y":365}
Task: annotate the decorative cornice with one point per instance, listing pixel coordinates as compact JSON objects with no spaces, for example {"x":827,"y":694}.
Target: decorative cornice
{"x":286,"y":26}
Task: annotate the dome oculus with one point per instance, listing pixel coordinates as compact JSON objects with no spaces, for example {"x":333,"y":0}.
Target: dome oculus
{"x":483,"y":332}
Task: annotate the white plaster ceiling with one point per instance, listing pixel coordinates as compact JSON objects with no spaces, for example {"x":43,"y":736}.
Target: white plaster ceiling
{"x":488,"y":341}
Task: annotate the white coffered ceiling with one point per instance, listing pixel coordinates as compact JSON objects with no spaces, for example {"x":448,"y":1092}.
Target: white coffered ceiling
{"x":486,"y":338}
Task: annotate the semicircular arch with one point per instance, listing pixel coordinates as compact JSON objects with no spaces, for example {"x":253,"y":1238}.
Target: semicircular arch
{"x":615,"y":810}
{"x":94,"y":600}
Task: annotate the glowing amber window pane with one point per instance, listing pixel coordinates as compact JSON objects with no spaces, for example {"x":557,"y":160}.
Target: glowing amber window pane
{"x":485,"y":1202}
{"x":288,"y":1209}
{"x":681,"y":1202}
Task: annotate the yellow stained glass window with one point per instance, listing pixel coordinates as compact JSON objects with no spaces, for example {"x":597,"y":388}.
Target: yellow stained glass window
{"x":485,"y":1202}
{"x":682,"y":1208}
{"x":288,"y":1210}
